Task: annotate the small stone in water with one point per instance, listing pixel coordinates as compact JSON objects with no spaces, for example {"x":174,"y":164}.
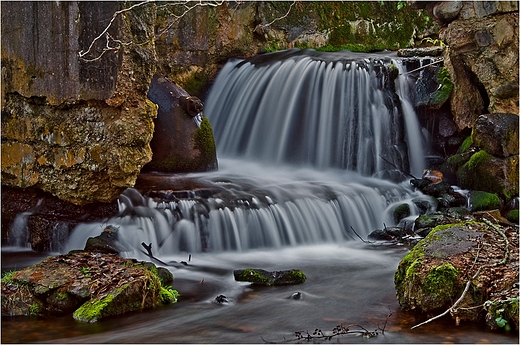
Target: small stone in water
{"x":296,"y":296}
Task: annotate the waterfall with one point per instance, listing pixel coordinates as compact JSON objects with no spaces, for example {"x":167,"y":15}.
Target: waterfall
{"x":308,"y":144}
{"x":324,"y":112}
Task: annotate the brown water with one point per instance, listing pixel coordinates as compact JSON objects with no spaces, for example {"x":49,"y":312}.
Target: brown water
{"x":346,"y":284}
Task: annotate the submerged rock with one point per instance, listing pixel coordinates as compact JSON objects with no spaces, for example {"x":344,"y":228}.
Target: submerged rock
{"x":263,"y":277}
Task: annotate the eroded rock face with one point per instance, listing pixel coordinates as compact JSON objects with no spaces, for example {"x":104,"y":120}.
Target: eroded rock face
{"x":483,"y":50}
{"x":76,"y":128}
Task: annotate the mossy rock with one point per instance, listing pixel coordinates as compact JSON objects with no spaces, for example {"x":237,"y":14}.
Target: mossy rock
{"x":512,"y":216}
{"x":490,"y":174}
{"x":139,"y":294}
{"x":263,"y":277}
{"x":401,"y":211}
{"x":434,"y":283}
{"x":483,"y":201}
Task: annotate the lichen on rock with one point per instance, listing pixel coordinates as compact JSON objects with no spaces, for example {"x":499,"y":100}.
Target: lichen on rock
{"x":433,"y":275}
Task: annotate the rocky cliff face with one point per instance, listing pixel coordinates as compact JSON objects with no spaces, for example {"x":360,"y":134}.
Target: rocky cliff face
{"x":78,"y":129}
{"x":482,"y":56}
{"x":76,"y":121}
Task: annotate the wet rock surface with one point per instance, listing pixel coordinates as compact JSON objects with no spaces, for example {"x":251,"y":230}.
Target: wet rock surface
{"x":436,"y":271}
{"x":92,"y":285}
{"x":262,"y":277}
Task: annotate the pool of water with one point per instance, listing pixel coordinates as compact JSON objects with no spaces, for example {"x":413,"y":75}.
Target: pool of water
{"x":349,"y":283}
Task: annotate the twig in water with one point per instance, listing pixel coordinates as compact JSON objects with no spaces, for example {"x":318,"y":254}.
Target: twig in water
{"x":395,"y":166}
{"x":364,"y":241}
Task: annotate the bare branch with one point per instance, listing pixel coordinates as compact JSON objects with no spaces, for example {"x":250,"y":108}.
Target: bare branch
{"x":82,"y":54}
{"x":264,"y":26}
{"x":187,"y":9}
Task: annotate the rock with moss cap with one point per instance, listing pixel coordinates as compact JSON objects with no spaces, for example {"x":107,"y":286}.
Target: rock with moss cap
{"x":432,"y":276}
{"x":263,"y":277}
{"x":91,"y":285}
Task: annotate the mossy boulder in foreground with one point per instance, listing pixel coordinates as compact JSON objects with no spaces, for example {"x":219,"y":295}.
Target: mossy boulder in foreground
{"x":91,"y":285}
{"x":433,"y":275}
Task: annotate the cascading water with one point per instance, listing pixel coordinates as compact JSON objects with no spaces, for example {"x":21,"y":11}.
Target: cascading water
{"x":303,"y":139}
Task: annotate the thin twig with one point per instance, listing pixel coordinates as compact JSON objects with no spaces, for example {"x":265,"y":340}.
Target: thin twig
{"x":422,"y":67}
{"x":395,"y":166}
{"x":263,"y":26}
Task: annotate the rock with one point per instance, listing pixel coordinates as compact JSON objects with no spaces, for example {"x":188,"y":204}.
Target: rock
{"x":380,"y":235}
{"x":401,"y":211}
{"x":483,"y":50}
{"x":179,"y":144}
{"x":490,"y":174}
{"x":93,"y":285}
{"x":433,"y":275}
{"x":497,"y":134}
{"x":104,"y":243}
{"x":482,"y":201}
{"x":78,"y":130}
{"x":447,"y":11}
{"x":263,"y":277}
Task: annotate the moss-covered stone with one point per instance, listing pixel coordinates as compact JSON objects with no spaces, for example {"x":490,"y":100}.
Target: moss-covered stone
{"x":263,"y":277}
{"x":400,"y":212}
{"x":481,"y":201}
{"x":491,"y":174}
{"x":512,"y":216}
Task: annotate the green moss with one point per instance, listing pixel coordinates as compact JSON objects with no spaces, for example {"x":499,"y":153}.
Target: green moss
{"x":466,"y":144}
{"x":440,"y":96}
{"x":168,"y":295}
{"x":254,"y":276}
{"x":7,"y":277}
{"x":481,"y":201}
{"x":478,"y":158}
{"x":296,"y":276}
{"x":205,"y":143}
{"x":441,"y":281}
{"x":196,"y":84}
{"x":91,"y":311}
{"x":512,"y":216}
{"x":34,"y":309}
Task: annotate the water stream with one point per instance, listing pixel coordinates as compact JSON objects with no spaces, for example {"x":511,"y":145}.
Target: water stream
{"x":312,"y":149}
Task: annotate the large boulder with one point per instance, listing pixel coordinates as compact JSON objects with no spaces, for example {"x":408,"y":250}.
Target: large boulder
{"x":183,"y":138}
{"x":497,"y":134}
{"x":492,"y":174}
{"x":434,"y":274}
{"x":91,"y":285}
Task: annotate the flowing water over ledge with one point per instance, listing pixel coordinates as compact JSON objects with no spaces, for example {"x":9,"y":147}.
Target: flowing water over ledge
{"x":301,"y":138}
